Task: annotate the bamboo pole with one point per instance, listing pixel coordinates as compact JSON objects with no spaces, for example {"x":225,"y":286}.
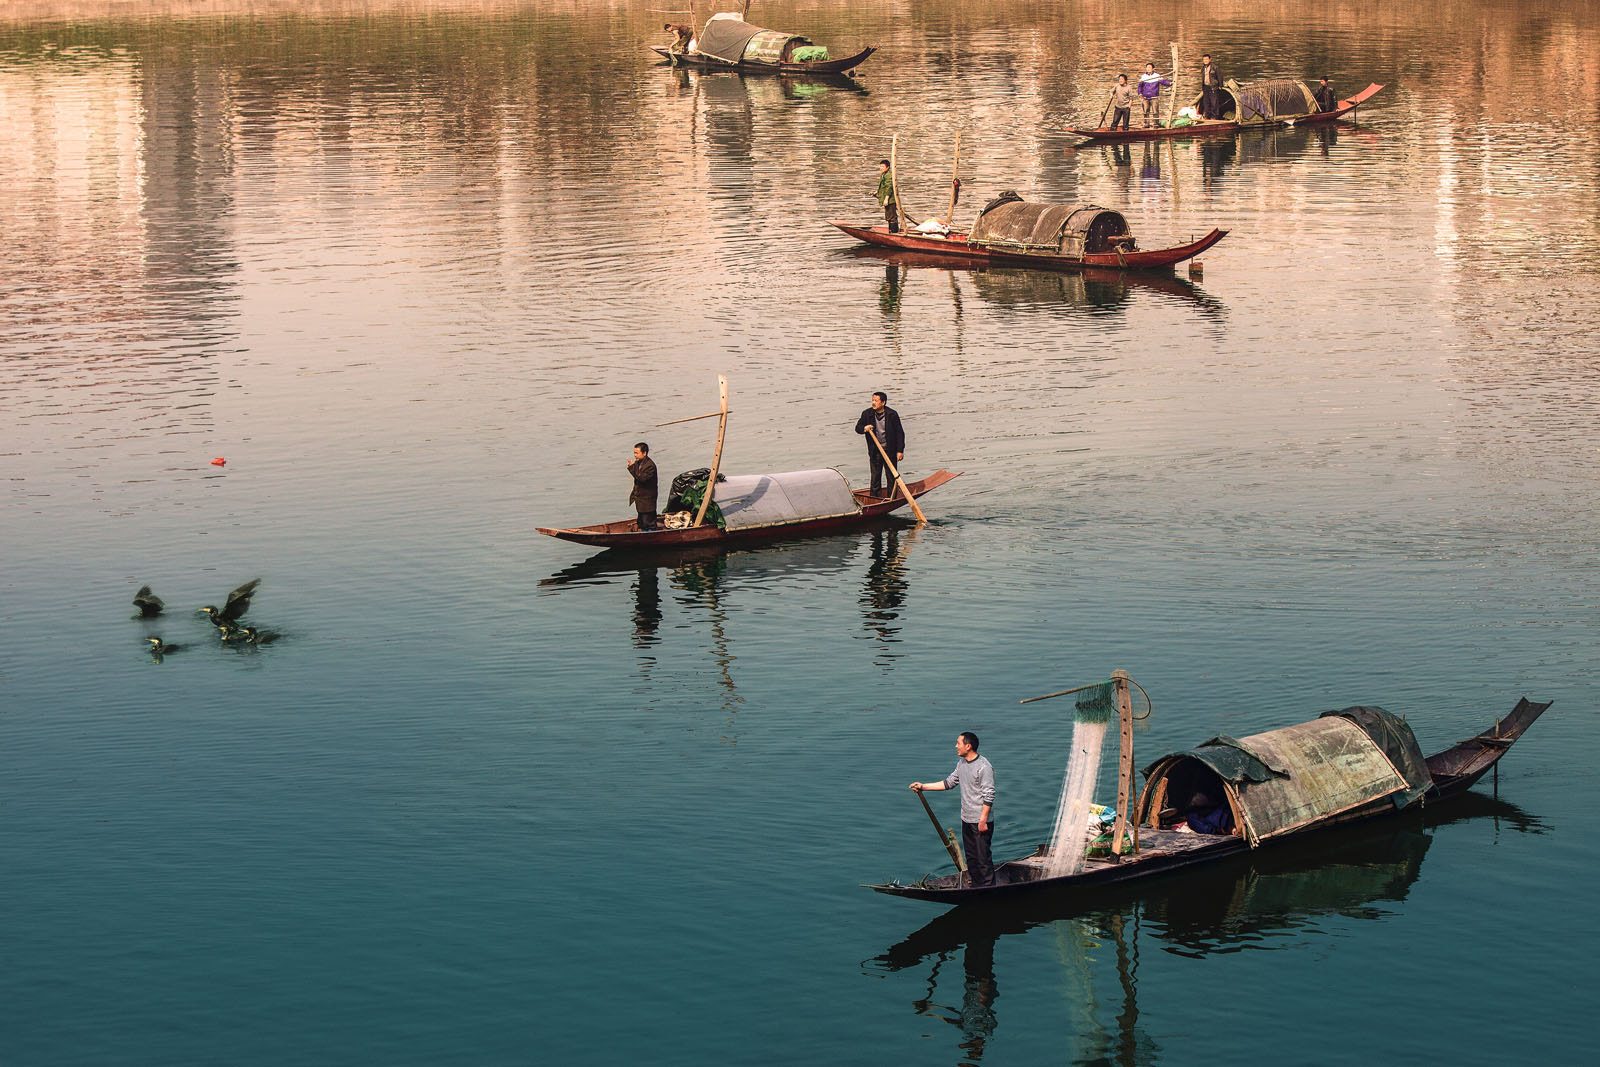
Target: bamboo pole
{"x":716,"y":457}
{"x":1119,"y":680}
{"x":955,"y":184}
{"x":1107,"y":110}
{"x":894,"y":180}
{"x":896,"y":472}
{"x":947,"y":838}
{"x":1172,"y":104}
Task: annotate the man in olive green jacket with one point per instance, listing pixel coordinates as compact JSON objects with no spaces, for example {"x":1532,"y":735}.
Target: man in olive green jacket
{"x":891,"y":209}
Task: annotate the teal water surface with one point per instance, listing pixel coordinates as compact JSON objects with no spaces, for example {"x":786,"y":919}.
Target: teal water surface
{"x":422,"y":275}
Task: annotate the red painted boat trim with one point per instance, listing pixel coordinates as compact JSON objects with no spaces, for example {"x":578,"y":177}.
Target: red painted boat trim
{"x":955,"y":246}
{"x":1204,"y":129}
{"x":624,"y":533}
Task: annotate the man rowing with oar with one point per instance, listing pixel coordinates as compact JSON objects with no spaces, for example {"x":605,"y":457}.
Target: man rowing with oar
{"x":885,"y":422}
{"x":976,"y":779}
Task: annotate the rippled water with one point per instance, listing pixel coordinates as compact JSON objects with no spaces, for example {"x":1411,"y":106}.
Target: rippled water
{"x":422,"y":273}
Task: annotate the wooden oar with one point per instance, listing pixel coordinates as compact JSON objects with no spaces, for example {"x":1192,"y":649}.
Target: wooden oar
{"x":955,"y":184}
{"x":947,"y":838}
{"x":896,"y":472}
{"x":1107,"y":111}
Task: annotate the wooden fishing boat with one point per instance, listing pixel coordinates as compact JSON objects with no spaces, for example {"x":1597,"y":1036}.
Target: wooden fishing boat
{"x":1056,"y":236}
{"x":1343,"y":767}
{"x":1278,"y":102}
{"x":727,"y":42}
{"x":763,"y":507}
{"x":760,"y":507}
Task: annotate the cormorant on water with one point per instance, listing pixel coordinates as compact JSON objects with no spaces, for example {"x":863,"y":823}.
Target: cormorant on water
{"x":159,"y":649}
{"x":249,"y":635}
{"x":148,"y":603}
{"x":233,"y":608}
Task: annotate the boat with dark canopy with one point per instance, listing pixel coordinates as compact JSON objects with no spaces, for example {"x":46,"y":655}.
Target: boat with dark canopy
{"x":727,"y":42}
{"x":1274,"y":102}
{"x":1057,"y":236}
{"x":1344,"y":766}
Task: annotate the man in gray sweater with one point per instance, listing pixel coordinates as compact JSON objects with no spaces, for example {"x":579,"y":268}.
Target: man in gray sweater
{"x":976,"y":779}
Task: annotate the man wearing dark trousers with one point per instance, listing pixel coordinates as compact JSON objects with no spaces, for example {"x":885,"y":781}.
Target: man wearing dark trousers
{"x":976,"y":779}
{"x":885,"y":422}
{"x":643,"y":497}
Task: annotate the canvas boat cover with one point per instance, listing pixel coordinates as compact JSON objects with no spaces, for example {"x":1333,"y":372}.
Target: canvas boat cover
{"x":751,"y":500}
{"x":1010,"y":223}
{"x":1294,"y":778}
{"x":732,"y":40}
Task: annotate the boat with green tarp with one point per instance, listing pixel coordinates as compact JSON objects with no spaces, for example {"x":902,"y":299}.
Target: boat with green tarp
{"x":1354,"y":764}
{"x":727,"y":42}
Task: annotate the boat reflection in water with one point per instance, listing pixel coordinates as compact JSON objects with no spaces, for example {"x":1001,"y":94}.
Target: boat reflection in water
{"x":705,"y":578}
{"x":762,"y":88}
{"x":1265,"y":900}
{"x":1093,"y":291}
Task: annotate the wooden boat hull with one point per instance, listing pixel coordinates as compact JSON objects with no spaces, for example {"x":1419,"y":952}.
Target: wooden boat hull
{"x":626,"y":534}
{"x":1208,"y":126}
{"x":955,"y":246}
{"x":827,"y":66}
{"x":1454,"y":771}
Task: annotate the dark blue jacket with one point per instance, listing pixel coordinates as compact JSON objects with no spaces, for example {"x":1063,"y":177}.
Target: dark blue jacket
{"x":894,"y":435}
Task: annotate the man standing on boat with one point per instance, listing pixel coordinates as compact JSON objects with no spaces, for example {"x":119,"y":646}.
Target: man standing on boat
{"x":891,"y":207}
{"x":976,"y":779}
{"x":1326,"y":98}
{"x":1210,"y":89}
{"x":1121,"y":102}
{"x":884,"y":421}
{"x":643,"y":497}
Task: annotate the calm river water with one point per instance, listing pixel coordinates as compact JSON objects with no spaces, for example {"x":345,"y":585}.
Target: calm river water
{"x":423,"y":272}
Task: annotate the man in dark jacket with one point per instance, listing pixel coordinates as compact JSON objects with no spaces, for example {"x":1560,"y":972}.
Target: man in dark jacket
{"x":1210,"y":89}
{"x":643,"y":497}
{"x":885,"y":422}
{"x":1325,"y":97}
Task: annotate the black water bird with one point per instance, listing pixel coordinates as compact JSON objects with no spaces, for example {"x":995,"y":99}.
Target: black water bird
{"x":249,"y":635}
{"x":238,"y":602}
{"x":148,"y":603}
{"x":159,"y":649}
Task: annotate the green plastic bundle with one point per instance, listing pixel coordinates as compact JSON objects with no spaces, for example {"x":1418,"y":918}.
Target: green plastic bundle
{"x":811,"y":53}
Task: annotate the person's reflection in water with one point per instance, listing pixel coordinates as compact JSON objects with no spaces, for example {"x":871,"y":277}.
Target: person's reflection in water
{"x":1215,"y":155}
{"x":885,"y":593}
{"x":889,"y":293}
{"x":976,"y":1017}
{"x":1121,"y":154}
{"x":1150,"y":164}
{"x":647,"y":608}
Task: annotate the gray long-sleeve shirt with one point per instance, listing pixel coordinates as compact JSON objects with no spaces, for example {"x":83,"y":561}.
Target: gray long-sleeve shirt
{"x":976,"y":779}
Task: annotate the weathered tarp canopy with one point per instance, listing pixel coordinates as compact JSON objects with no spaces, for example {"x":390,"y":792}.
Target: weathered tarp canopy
{"x":732,"y":40}
{"x":1064,"y":229}
{"x":1289,"y":779}
{"x":751,"y":500}
{"x":1273,"y":99}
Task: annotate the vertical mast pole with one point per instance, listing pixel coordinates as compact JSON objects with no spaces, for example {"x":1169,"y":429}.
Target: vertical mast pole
{"x":955,"y":180}
{"x":894,"y":180}
{"x":716,"y":457}
{"x":1172,"y":104}
{"x":1119,"y":680}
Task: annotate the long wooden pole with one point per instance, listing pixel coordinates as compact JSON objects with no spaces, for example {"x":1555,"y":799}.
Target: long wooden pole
{"x":894,"y":180}
{"x":955,"y":184}
{"x":946,"y":837}
{"x":716,"y":457}
{"x":1172,"y":104}
{"x":896,"y":472}
{"x":1119,"y":680}
{"x":1107,"y":111}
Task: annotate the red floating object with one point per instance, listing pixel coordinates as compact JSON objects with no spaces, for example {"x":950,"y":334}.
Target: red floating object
{"x":219,"y":462}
